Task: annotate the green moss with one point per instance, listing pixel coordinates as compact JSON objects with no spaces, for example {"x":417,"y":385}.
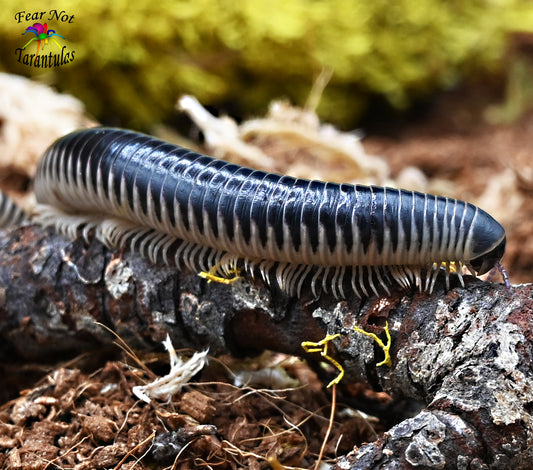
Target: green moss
{"x":133,"y":59}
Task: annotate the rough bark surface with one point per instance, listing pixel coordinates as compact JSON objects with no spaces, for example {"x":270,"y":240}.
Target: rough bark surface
{"x":465,"y":353}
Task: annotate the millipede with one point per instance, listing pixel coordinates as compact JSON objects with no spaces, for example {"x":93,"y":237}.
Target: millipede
{"x":10,"y":213}
{"x":183,"y":208}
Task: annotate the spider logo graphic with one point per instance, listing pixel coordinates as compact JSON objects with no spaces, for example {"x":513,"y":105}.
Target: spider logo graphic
{"x":42,"y":36}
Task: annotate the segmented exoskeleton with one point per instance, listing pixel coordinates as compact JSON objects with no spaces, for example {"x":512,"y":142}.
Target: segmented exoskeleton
{"x":172,"y":204}
{"x":10,"y":213}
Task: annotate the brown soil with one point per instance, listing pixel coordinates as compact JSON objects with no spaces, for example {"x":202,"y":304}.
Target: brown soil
{"x":78,"y":421}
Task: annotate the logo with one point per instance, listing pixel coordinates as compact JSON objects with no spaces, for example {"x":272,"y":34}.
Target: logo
{"x":57,"y":54}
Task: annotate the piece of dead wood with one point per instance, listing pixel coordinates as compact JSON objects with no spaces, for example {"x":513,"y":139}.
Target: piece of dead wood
{"x":465,"y":353}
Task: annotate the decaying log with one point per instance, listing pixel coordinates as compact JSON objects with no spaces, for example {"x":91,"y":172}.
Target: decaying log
{"x":466,"y":352}
{"x":53,"y":294}
{"x":468,"y":356}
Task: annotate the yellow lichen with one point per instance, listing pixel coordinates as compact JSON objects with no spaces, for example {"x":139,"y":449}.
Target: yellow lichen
{"x":386,"y":347}
{"x":322,"y":348}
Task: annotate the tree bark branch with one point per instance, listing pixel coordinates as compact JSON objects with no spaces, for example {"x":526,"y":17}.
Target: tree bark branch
{"x":466,"y":353}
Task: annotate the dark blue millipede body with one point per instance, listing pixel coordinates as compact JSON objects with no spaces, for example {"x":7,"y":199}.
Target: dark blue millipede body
{"x":10,"y":214}
{"x":182,"y":207}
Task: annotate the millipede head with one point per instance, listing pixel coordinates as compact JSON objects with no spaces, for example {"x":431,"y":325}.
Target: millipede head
{"x":487,"y":243}
{"x":484,"y":263}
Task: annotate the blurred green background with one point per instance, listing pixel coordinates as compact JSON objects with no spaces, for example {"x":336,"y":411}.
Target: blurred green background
{"x":134,"y":59}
